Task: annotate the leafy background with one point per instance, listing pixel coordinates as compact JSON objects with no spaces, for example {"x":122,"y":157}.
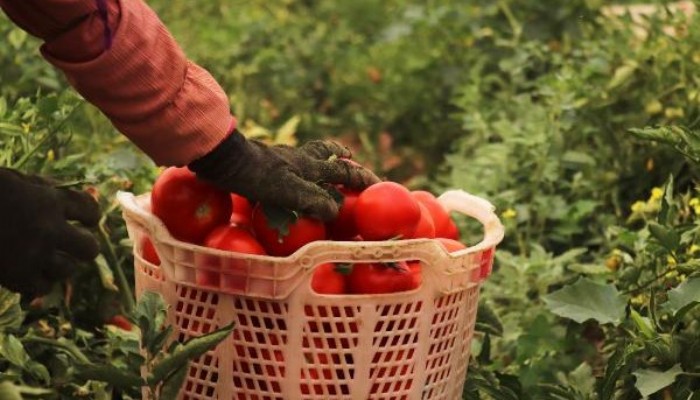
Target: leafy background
{"x":579,"y":127}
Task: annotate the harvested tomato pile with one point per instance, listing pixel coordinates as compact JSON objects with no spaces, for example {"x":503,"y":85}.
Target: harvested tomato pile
{"x":199,"y":213}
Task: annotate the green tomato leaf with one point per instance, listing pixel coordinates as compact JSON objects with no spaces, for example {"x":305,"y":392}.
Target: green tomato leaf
{"x":191,"y":349}
{"x":643,"y":324}
{"x":618,"y":364}
{"x":668,"y":238}
{"x":650,"y":381}
{"x":16,"y":38}
{"x":12,"y":350}
{"x":9,"y":391}
{"x":171,"y":386}
{"x":11,"y":315}
{"x":150,"y":314}
{"x":586,"y":299}
{"x":664,"y":216}
{"x":622,"y":74}
{"x":487,"y":321}
{"x":39,"y":371}
{"x":685,"y":294}
{"x":578,"y":159}
{"x":105,"y":273}
{"x":110,"y":374}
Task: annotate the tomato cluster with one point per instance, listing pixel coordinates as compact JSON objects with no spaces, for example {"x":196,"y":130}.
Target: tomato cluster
{"x":195,"y":211}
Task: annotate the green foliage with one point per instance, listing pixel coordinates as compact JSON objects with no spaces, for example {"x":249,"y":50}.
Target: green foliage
{"x":580,"y":127}
{"x":38,"y":361}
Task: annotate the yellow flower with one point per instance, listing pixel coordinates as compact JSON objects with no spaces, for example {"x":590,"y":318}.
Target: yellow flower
{"x":613,"y":262}
{"x":50,"y":155}
{"x":653,"y":107}
{"x":26,"y":127}
{"x":670,"y":260}
{"x":656,"y":194}
{"x":509,"y":214}
{"x":639,"y":299}
{"x":674,"y":112}
{"x":638,"y":207}
{"x":695,"y":204}
{"x":693,"y":249}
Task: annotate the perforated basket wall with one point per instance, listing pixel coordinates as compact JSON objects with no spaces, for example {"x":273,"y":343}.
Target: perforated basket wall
{"x":290,"y":343}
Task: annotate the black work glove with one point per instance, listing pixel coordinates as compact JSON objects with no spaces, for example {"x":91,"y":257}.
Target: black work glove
{"x":289,"y":177}
{"x":38,"y":244}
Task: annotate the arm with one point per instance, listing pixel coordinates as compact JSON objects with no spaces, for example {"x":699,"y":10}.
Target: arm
{"x":121,"y":58}
{"x":168,"y":106}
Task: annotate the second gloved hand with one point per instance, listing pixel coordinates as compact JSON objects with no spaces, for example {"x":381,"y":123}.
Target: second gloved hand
{"x":281,"y":175}
{"x":39,"y":243}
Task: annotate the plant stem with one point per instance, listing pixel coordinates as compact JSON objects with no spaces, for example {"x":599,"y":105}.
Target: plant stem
{"x":71,"y":349}
{"x":112,"y":259}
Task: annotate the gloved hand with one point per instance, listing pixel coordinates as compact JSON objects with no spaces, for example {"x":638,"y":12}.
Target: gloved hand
{"x":38,"y":243}
{"x":285,"y":176}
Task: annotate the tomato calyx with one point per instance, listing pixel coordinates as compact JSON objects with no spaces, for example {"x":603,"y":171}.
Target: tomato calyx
{"x":398,"y":266}
{"x":343,"y":268}
{"x":202,"y":211}
{"x":279,"y":219}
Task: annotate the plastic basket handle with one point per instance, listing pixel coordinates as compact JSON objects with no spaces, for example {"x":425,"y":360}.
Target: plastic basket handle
{"x":479,"y":209}
{"x":137,"y":214}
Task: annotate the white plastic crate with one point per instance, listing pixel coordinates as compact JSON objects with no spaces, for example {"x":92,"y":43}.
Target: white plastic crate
{"x":290,"y":343}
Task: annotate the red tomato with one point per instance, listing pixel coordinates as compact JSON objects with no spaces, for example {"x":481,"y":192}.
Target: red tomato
{"x":425,"y":227}
{"x":328,"y":279}
{"x":376,"y":278}
{"x":120,"y":322}
{"x":233,"y":238}
{"x":441,"y":218}
{"x":189,"y":207}
{"x":242,"y":212}
{"x":343,"y":227}
{"x":148,"y":251}
{"x":304,"y":230}
{"x":416,"y":272}
{"x":451,"y":245}
{"x":451,"y":232}
{"x":386,"y":210}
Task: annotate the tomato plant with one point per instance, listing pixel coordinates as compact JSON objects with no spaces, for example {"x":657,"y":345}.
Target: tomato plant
{"x":279,"y":243}
{"x":188,"y":206}
{"x":386,"y":210}
{"x":329,"y":278}
{"x":377,"y":278}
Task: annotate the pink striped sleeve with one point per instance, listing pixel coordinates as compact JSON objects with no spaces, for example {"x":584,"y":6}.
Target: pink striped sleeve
{"x":168,"y":106}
